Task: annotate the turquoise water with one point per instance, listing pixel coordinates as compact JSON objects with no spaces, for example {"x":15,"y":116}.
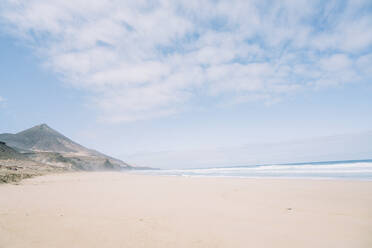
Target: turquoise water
{"x":350,"y":169}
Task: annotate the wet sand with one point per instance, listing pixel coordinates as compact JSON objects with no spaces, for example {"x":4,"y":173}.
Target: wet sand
{"x":124,"y":210}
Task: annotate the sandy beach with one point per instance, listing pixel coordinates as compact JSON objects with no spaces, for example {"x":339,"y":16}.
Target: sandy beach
{"x":124,"y":210}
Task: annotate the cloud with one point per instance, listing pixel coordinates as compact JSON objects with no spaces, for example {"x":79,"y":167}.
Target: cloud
{"x":146,"y":59}
{"x":364,"y":65}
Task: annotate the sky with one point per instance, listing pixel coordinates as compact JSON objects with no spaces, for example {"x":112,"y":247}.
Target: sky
{"x":159,"y":82}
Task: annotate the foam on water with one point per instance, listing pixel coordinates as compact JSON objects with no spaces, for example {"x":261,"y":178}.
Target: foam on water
{"x":355,"y":169}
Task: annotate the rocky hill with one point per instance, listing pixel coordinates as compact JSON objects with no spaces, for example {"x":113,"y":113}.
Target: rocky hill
{"x":47,"y":146}
{"x":7,"y":152}
{"x":15,"y":166}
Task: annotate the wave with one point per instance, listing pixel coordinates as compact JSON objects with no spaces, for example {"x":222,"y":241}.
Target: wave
{"x":356,"y":169}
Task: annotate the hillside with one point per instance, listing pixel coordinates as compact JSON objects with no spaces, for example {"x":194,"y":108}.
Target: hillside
{"x":45,"y":145}
{"x":43,"y":138}
{"x":7,"y":152}
{"x":15,"y":166}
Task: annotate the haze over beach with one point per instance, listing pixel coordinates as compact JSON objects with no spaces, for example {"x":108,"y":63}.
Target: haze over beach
{"x":185,"y":123}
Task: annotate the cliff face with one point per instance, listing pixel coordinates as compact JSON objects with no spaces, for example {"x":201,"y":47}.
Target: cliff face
{"x":45,"y":145}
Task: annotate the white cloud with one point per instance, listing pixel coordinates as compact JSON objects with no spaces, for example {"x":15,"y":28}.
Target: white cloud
{"x":146,"y":59}
{"x":364,"y":65}
{"x":336,"y":62}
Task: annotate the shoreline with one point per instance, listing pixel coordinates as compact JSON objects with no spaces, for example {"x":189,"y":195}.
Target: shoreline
{"x":111,"y":209}
{"x":11,"y":177}
{"x":257,"y":178}
{"x":330,"y":170}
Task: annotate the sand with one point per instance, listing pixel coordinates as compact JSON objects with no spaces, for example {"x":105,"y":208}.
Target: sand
{"x":123,"y":210}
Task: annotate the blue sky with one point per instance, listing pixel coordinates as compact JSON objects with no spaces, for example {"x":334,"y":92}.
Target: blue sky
{"x":159,"y":77}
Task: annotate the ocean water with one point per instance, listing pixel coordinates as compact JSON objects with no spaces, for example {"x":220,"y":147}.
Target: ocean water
{"x":351,"y":169}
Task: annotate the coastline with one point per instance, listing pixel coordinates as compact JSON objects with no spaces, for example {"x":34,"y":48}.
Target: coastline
{"x":328,"y":170}
{"x":111,"y":209}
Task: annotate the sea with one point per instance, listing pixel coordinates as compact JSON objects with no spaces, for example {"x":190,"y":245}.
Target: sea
{"x":347,"y":170}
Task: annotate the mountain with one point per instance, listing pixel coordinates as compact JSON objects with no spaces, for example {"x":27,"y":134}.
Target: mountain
{"x":7,"y":152}
{"x":15,"y":166}
{"x":45,"y":145}
{"x":43,"y":138}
